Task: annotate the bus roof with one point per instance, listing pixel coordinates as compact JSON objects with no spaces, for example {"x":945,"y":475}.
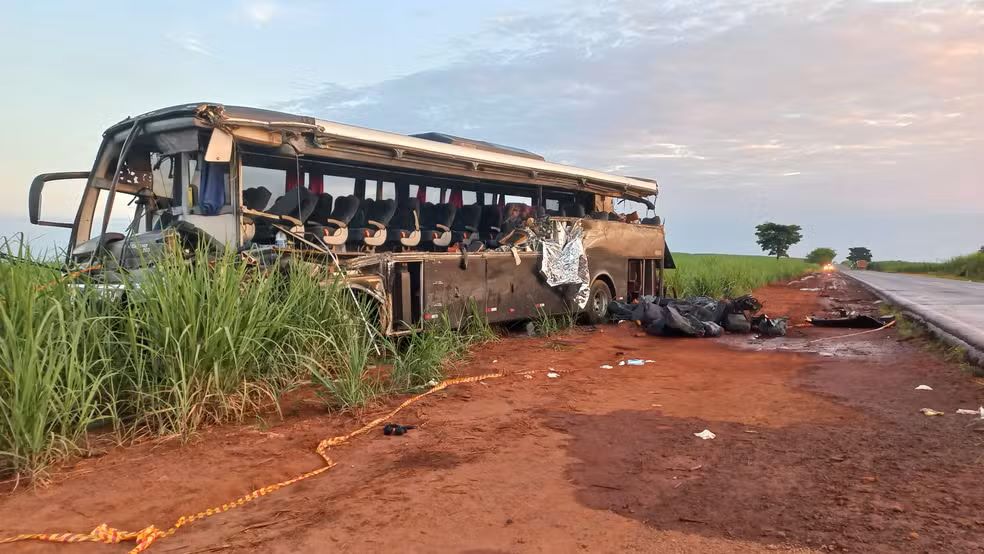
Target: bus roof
{"x":485,"y":160}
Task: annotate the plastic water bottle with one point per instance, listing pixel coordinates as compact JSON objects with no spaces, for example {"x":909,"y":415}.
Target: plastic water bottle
{"x":280,"y":240}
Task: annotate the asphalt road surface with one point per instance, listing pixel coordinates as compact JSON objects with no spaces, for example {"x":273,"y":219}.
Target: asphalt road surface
{"x":956,"y":307}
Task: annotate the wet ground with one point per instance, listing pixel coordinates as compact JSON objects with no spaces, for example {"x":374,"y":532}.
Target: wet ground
{"x":820,"y":446}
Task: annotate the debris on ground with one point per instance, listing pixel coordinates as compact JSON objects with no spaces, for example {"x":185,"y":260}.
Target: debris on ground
{"x":397,"y":429}
{"x":606,"y":366}
{"x":962,"y":411}
{"x":851,"y":320}
{"x":552,"y":375}
{"x":930,"y":412}
{"x":697,"y":316}
{"x":769,"y":327}
{"x":924,"y":387}
{"x":706,"y":434}
{"x":635,"y":362}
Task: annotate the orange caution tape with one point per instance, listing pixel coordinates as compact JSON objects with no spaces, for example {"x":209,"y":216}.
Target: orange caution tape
{"x":148,"y":535}
{"x":67,"y":277}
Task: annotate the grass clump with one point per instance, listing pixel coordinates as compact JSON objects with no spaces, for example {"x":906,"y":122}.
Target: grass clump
{"x":420,"y":358}
{"x":547,"y":325}
{"x":54,"y":365}
{"x":718,"y":276}
{"x":204,"y":341}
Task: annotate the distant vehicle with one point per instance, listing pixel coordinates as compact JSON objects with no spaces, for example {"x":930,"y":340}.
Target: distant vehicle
{"x":861,"y":264}
{"x":398,"y":213}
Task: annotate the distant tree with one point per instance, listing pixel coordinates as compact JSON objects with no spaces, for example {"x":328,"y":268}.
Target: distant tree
{"x":821,"y":256}
{"x":776,"y":239}
{"x":859,"y":253}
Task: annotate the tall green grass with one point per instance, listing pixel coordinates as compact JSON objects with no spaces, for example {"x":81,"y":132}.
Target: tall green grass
{"x":421,"y":357}
{"x":970,"y":266}
{"x":54,"y":365}
{"x":718,"y":275}
{"x":194,"y":342}
{"x":207,"y":341}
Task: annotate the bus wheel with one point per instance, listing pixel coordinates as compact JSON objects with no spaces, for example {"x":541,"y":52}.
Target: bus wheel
{"x":598,"y":299}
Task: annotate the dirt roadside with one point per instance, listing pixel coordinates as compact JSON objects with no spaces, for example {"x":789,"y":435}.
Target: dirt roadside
{"x":820,"y":446}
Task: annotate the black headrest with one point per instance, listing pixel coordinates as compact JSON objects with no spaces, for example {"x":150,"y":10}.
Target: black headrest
{"x":322,"y":210}
{"x":491,"y":217}
{"x":345,"y":208}
{"x":443,"y":214}
{"x":574,"y":209}
{"x":381,"y":211}
{"x":403,"y":218}
{"x":467,"y":216}
{"x":256,"y":198}
{"x":299,"y":203}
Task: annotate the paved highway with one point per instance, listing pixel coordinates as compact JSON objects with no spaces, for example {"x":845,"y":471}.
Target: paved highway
{"x":956,"y":307}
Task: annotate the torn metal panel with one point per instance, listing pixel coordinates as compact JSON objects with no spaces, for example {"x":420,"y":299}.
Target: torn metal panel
{"x":614,"y":238}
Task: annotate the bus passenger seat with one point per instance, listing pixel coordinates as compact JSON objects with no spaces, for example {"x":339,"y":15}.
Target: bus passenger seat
{"x":314,"y":226}
{"x":651,"y":220}
{"x":437,"y":224}
{"x":335,"y":226}
{"x":290,"y":210}
{"x":256,"y":198}
{"x":465,"y":227}
{"x":405,"y":225}
{"x":572,"y":209}
{"x":490,"y":225}
{"x":376,"y":215}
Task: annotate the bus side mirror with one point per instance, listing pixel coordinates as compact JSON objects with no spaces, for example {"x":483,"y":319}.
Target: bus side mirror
{"x":37,"y":187}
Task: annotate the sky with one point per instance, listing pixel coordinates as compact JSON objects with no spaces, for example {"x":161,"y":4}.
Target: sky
{"x":860,"y":120}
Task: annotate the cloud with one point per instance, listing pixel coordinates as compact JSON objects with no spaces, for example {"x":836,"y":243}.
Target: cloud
{"x":260,"y":12}
{"x":189,"y":43}
{"x":878,"y":103}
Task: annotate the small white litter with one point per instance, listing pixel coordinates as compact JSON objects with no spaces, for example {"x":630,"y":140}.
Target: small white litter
{"x":606,"y":366}
{"x":924,"y":387}
{"x":810,"y":290}
{"x":827,"y":354}
{"x":635,"y":362}
{"x":528,"y":376}
{"x":930,"y":412}
{"x":962,"y":411}
{"x":650,"y":361}
{"x":432,"y":383}
{"x":553,"y":375}
{"x":705,"y":434}
{"x":621,"y":363}
{"x":495,"y":361}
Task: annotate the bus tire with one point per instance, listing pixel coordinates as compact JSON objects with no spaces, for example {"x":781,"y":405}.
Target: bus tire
{"x":598,"y":299}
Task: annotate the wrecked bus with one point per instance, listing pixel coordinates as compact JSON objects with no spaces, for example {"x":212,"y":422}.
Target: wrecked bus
{"x":423,"y":225}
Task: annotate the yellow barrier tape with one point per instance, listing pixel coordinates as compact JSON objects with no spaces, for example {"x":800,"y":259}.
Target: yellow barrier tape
{"x":148,"y":535}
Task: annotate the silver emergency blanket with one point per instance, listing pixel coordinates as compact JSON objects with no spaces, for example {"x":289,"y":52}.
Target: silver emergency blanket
{"x":564,"y":261}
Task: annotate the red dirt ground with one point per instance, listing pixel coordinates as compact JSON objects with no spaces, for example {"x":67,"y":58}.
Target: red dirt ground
{"x":820,"y":447}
